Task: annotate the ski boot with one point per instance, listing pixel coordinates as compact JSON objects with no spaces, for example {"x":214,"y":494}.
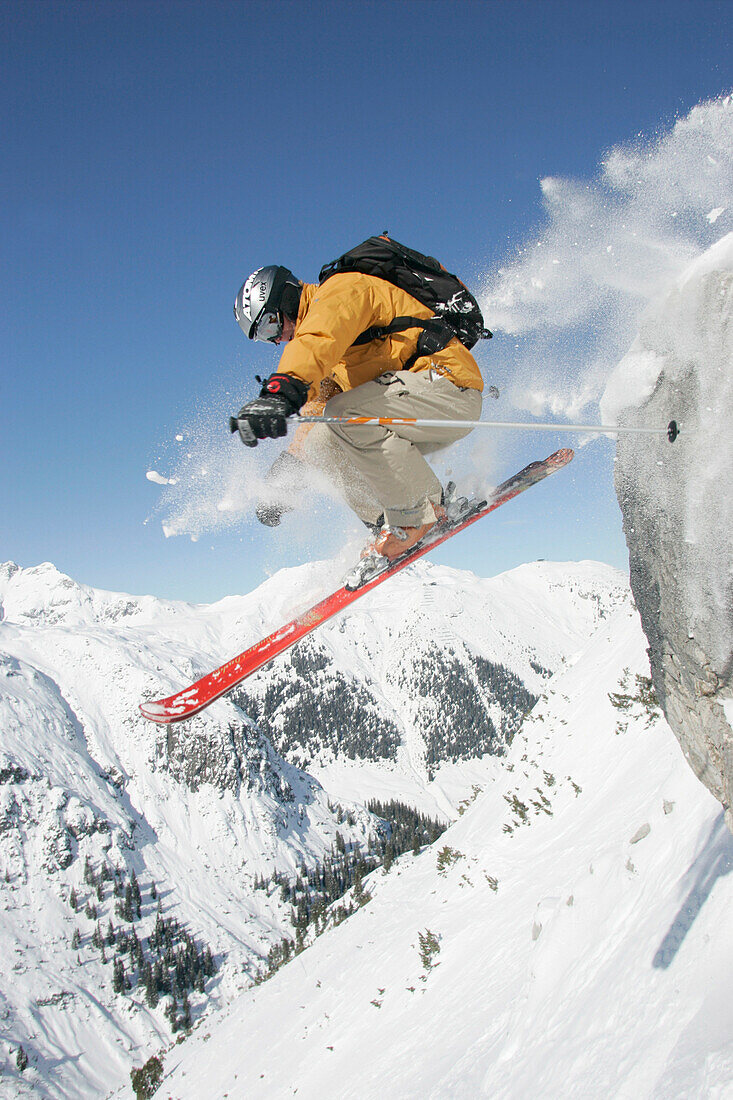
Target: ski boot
{"x":389,"y":546}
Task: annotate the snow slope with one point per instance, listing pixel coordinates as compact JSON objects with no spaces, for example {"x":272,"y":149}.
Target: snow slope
{"x":203,"y":809}
{"x":583,"y":952}
{"x":83,"y":777}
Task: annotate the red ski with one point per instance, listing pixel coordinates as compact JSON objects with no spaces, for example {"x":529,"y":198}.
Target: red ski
{"x":191,"y":700}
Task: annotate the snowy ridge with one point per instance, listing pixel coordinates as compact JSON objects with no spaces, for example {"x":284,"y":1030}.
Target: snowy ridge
{"x":199,"y":812}
{"x":575,"y":935}
{"x":528,"y":620}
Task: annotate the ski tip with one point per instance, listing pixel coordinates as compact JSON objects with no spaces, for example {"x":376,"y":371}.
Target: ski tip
{"x":154,"y":712}
{"x":183,"y":704}
{"x":165,"y":711}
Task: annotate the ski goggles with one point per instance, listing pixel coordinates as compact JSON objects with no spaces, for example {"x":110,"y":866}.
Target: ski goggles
{"x":268,"y":326}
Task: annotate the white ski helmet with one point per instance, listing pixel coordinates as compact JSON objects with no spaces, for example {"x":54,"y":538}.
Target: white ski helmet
{"x":258,"y":306}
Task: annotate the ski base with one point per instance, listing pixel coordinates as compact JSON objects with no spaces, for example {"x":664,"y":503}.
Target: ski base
{"x":194,"y":698}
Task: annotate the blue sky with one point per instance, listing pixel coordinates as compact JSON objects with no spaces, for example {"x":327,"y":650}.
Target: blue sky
{"x":155,"y":153}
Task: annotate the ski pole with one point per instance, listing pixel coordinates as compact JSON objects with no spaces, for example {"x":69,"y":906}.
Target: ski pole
{"x":671,"y":431}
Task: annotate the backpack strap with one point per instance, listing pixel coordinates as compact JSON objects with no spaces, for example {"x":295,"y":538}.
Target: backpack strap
{"x":435,"y":332}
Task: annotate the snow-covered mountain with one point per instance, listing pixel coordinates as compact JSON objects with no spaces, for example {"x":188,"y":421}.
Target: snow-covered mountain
{"x":437,"y":668}
{"x":96,"y":804}
{"x":568,"y":936}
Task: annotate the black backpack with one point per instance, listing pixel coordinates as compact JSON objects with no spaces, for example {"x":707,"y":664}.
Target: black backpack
{"x":456,"y":310}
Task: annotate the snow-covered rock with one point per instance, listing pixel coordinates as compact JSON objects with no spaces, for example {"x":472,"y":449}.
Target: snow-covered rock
{"x":678,"y":506}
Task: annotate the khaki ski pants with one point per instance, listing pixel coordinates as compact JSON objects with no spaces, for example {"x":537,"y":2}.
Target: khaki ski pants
{"x":382,"y":469}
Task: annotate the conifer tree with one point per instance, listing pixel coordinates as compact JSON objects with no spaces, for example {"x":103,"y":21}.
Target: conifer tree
{"x":135,"y":888}
{"x":185,"y":1013}
{"x":146,"y":1079}
{"x":118,"y":976}
{"x":127,"y":910}
{"x":209,"y":965}
{"x":151,"y":992}
{"x":172,"y":1013}
{"x":361,"y":897}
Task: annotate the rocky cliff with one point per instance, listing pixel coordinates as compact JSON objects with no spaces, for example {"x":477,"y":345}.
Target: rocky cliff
{"x":676,"y":501}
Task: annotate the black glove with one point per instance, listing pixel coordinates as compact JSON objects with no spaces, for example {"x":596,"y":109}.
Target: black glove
{"x":283,"y":480}
{"x":266,"y":416}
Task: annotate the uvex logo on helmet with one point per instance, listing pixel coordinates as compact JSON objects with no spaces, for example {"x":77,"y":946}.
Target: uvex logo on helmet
{"x":255,"y":293}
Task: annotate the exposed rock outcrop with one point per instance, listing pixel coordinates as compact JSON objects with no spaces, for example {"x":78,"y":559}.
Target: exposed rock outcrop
{"x":677,"y":507}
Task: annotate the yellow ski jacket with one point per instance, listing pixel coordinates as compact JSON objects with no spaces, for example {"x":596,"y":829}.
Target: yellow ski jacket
{"x":331,"y":317}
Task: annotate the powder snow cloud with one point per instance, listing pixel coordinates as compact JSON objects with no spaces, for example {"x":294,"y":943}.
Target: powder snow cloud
{"x":574,"y":295}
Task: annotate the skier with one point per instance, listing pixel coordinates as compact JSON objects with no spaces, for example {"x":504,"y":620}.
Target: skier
{"x":382,"y":469}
